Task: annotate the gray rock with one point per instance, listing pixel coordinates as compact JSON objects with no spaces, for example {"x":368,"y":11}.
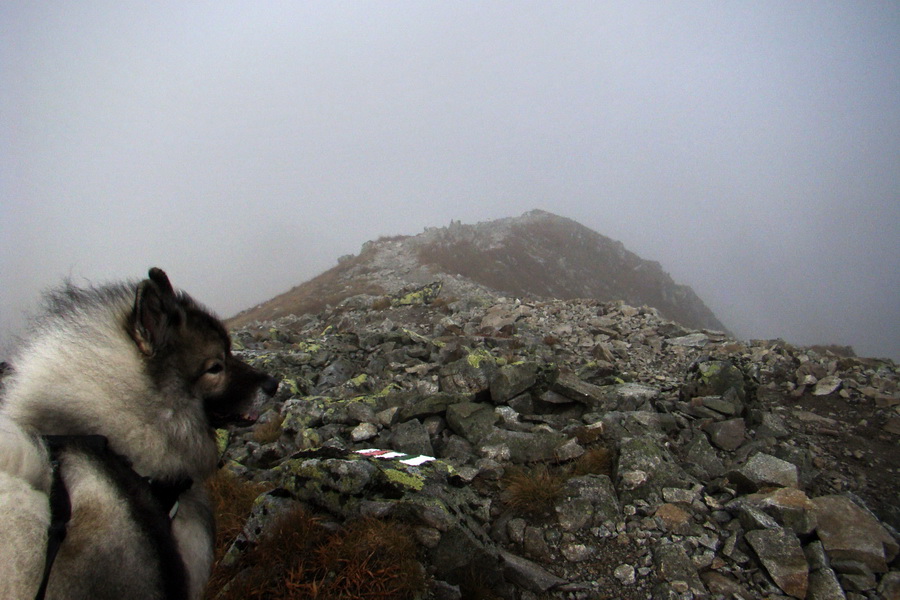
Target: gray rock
{"x":441,"y":590}
{"x":772,"y":425}
{"x":714,"y":378}
{"x":625,"y":574}
{"x":719,"y":583}
{"x":535,"y":544}
{"x":674,"y":567}
{"x":411,"y":437}
{"x":471,"y":420}
{"x":824,"y":585}
{"x":511,"y":380}
{"x":889,"y":588}
{"x":728,"y":435}
{"x":363,"y":432}
{"x":827,"y":385}
{"x":720,"y":405}
{"x":780,"y":553}
{"x":431,"y":405}
{"x":850,"y":533}
{"x":790,"y":507}
{"x":629,"y":396}
{"x":700,"y":453}
{"x":527,"y":574}
{"x":764,"y":470}
{"x":571,"y":387}
{"x":469,"y":375}
{"x":523,"y":447}
{"x":644,"y":468}
{"x":692,"y":340}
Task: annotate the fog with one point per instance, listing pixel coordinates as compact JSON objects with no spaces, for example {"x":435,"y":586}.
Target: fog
{"x":753,"y":149}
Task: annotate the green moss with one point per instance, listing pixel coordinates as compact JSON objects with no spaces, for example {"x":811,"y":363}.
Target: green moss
{"x":709,"y":370}
{"x":408,"y":480}
{"x":359,"y":380}
{"x":476,"y":357}
{"x":222,"y":439}
{"x":292,"y":385}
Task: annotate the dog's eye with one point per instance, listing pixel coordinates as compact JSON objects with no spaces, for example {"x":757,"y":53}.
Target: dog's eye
{"x":215,"y":368}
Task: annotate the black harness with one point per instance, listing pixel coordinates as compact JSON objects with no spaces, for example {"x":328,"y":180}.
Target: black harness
{"x":165,"y":493}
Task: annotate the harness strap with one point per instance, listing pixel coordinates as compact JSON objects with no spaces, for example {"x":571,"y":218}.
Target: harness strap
{"x":165,"y":493}
{"x":60,"y":513}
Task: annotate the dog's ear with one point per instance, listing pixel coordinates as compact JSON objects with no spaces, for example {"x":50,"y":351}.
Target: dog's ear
{"x":156,"y":312}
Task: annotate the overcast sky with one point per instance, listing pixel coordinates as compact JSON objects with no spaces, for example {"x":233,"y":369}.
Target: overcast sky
{"x":752,"y":148}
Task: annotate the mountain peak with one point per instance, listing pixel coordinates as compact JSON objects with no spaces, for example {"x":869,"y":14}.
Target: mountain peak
{"x":538,"y":255}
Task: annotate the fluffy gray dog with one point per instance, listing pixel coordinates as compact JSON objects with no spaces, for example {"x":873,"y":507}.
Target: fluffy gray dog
{"x":106,"y":437}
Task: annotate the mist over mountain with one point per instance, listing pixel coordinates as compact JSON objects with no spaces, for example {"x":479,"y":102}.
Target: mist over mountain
{"x":535,"y":255}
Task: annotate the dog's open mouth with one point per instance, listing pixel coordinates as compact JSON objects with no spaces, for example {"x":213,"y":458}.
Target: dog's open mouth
{"x":221,"y":420}
{"x":240,"y":409}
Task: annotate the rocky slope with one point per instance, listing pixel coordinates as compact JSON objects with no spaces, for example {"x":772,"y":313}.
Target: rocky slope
{"x":582,"y":449}
{"x":537,"y":255}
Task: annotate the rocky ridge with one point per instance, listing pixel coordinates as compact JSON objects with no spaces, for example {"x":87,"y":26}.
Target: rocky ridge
{"x":681,"y":463}
{"x":535,"y":255}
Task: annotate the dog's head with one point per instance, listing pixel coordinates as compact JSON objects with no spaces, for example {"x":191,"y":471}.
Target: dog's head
{"x":187,"y":347}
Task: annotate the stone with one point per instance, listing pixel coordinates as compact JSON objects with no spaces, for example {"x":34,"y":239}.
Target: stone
{"x":719,"y":583}
{"x":411,"y":437}
{"x":569,"y":451}
{"x":714,"y":378}
{"x":889,"y":587}
{"x":702,"y":455}
{"x":511,"y":380}
{"x":765,"y":470}
{"x":692,"y":340}
{"x":571,"y":387}
{"x":789,"y":506}
{"x":780,"y":553}
{"x":576,"y":552}
{"x":523,"y":447}
{"x":625,"y":574}
{"x":728,"y":435}
{"x":827,"y":385}
{"x":674,"y":519}
{"x":528,"y":574}
{"x":441,"y":590}
{"x":824,"y":585}
{"x":645,"y":468}
{"x":849,"y":532}
{"x":675,"y":567}
{"x":772,"y":425}
{"x":363,"y":432}
{"x":468,"y":376}
{"x":435,"y":404}
{"x":471,"y":420}
{"x":720,"y":405}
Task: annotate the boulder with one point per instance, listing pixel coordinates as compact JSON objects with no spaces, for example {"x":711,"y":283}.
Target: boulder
{"x":471,"y":420}
{"x":850,"y":533}
{"x":780,"y":553}
{"x":511,"y":380}
{"x":764,"y":470}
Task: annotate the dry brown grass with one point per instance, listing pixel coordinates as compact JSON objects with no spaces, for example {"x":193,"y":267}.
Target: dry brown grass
{"x":532,"y":491}
{"x":232,"y":501}
{"x":595,"y":461}
{"x":298,"y":557}
{"x":268,"y":432}
{"x":382,"y":303}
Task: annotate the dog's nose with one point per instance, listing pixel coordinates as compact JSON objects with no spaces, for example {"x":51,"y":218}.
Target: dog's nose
{"x":270,"y":386}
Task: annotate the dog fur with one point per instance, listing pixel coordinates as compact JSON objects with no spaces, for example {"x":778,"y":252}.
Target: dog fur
{"x":151,"y":370}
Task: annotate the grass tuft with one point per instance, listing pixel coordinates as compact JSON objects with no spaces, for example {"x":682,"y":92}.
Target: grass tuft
{"x":532,"y":491}
{"x":299,"y":557}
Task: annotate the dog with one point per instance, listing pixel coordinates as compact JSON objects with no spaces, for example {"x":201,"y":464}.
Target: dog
{"x":109,"y":418}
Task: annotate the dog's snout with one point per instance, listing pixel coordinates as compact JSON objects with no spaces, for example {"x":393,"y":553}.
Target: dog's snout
{"x":270,"y":385}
